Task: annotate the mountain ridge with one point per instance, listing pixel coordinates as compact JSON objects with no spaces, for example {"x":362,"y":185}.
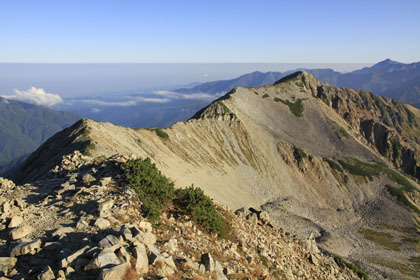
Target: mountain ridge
{"x":385,"y":78}
{"x":316,"y":157}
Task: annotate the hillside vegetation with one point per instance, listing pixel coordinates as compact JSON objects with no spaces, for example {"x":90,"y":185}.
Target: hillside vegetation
{"x":23,"y":127}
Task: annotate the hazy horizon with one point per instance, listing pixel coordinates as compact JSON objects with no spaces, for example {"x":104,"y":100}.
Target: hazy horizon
{"x":103,"y":79}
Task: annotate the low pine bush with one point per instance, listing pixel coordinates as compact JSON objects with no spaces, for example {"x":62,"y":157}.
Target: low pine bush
{"x":153,"y":188}
{"x":203,"y":211}
{"x":156,"y":192}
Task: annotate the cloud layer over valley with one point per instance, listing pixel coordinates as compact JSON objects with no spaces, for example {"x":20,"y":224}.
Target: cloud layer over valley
{"x":36,"y":96}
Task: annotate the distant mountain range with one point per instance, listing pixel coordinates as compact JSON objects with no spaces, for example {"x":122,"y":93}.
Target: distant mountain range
{"x":387,"y":78}
{"x":23,"y":127}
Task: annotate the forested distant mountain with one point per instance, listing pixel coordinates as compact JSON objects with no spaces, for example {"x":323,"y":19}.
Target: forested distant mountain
{"x":23,"y":127}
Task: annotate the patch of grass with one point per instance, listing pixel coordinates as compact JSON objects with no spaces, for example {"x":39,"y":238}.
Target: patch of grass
{"x":299,"y":154}
{"x":264,"y":261}
{"x":162,"y":134}
{"x":402,"y":268}
{"x":399,"y":194}
{"x":396,"y":148}
{"x":266,"y":95}
{"x":89,"y":149}
{"x":223,"y":105}
{"x":370,"y":170}
{"x":156,"y":192}
{"x":300,"y":84}
{"x":342,"y":132}
{"x":343,"y":263}
{"x":86,"y":132}
{"x":381,"y":238}
{"x":277,"y":99}
{"x":398,"y":178}
{"x":200,"y":207}
{"x":295,"y":107}
{"x":152,"y":187}
{"x":334,"y":165}
{"x":415,"y":259}
{"x":256,"y":93}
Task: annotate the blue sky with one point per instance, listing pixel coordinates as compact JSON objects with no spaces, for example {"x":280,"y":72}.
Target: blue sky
{"x":305,"y":31}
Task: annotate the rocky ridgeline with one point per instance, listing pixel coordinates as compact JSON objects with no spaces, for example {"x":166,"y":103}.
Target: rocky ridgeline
{"x":82,"y":223}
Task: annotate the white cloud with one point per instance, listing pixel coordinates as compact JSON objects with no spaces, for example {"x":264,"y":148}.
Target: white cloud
{"x":165,"y":93}
{"x":109,"y":103}
{"x":36,"y":96}
{"x":201,"y":96}
{"x":205,"y":75}
{"x":151,"y":100}
{"x":95,"y":110}
{"x":198,"y":96}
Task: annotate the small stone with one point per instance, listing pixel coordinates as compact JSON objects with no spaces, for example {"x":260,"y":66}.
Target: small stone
{"x":63,"y":230}
{"x":6,"y":208}
{"x":52,"y":246}
{"x":61,"y":274}
{"x":87,"y":179}
{"x":20,"y":232}
{"x":7,"y":264}
{"x":15,"y":222}
{"x":102,"y":223}
{"x":31,"y":248}
{"x":264,"y":218}
{"x":126,"y":232}
{"x":109,"y":241}
{"x":207,"y":261}
{"x":20,"y":203}
{"x":70,"y":259}
{"x":46,"y":274}
{"x":142,"y":261}
{"x":114,"y":272}
{"x":103,"y":259}
{"x":106,"y":205}
{"x":123,"y":255}
{"x":73,"y":178}
{"x":154,"y":254}
{"x":171,"y":246}
{"x":105,"y":181}
{"x":146,"y":238}
{"x":69,"y":270}
{"x":252,"y":218}
{"x":145,"y":226}
{"x":313,"y":259}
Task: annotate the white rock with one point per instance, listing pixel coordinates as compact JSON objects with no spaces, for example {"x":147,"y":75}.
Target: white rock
{"x":114,"y":272}
{"x":102,"y":223}
{"x":31,"y":248}
{"x":20,"y":232}
{"x":46,"y":274}
{"x":7,"y":264}
{"x":15,"y":221}
{"x":106,"y":205}
{"x":104,"y":258}
{"x":142,"y":261}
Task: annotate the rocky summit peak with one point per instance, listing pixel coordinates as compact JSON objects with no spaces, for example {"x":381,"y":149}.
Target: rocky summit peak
{"x":388,"y":62}
{"x":299,"y":75}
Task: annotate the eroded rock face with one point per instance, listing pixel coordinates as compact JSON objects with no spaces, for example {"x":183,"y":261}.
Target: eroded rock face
{"x":388,"y":126}
{"x":129,"y":246}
